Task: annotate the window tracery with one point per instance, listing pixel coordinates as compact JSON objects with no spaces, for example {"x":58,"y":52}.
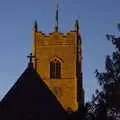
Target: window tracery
{"x":55,"y":69}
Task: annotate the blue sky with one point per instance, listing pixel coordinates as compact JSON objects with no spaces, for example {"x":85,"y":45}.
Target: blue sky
{"x":96,"y":18}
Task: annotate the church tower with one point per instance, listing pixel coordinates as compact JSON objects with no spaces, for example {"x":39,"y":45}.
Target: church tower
{"x":57,"y":59}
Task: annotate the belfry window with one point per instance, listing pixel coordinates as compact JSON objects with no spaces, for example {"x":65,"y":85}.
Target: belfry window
{"x":55,"y":69}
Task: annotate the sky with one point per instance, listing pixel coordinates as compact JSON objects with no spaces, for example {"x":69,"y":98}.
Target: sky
{"x":96,"y":18}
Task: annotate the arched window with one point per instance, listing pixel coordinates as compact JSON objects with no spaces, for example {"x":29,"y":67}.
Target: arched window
{"x":55,"y":69}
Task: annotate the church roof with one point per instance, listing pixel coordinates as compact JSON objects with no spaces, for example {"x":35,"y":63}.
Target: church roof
{"x":30,"y":98}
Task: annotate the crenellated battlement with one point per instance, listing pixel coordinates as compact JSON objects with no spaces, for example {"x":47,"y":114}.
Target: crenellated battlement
{"x":55,"y":38}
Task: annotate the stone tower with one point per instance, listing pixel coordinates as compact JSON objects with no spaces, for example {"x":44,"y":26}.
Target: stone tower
{"x":57,"y":59}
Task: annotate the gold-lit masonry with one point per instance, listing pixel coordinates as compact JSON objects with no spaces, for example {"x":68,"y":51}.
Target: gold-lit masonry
{"x":58,"y":61}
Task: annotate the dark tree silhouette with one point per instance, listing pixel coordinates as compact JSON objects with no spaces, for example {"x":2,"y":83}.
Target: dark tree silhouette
{"x":105,"y":104}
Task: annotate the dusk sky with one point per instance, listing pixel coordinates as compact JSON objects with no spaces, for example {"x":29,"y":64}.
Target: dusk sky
{"x":96,"y":18}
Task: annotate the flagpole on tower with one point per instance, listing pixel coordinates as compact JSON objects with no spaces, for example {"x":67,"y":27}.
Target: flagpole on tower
{"x":56,"y":16}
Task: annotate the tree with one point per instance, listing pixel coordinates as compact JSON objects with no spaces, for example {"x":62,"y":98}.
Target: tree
{"x":105,"y":102}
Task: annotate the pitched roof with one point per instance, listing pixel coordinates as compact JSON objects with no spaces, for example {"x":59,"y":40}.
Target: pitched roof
{"x":30,"y":98}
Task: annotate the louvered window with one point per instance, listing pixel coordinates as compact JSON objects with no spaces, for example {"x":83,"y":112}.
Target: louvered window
{"x":55,"y":69}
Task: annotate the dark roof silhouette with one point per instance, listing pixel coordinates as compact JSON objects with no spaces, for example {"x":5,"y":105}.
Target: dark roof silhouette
{"x":30,"y":99}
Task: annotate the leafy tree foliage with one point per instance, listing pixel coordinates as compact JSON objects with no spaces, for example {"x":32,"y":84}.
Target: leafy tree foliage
{"x":105,"y":104}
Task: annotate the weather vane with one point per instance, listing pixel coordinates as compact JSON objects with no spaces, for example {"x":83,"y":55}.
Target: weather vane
{"x":56,"y":15}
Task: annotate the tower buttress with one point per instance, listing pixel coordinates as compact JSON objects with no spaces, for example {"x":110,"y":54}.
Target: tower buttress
{"x":80,"y":90}
{"x":34,"y":30}
{"x":79,"y":44}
